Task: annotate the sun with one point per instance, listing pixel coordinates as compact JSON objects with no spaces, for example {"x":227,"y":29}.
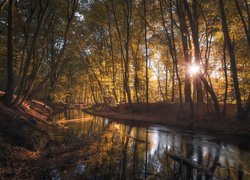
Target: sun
{"x":194,"y":69}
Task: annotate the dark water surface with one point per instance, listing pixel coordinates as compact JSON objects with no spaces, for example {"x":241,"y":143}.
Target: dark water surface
{"x":109,"y":149}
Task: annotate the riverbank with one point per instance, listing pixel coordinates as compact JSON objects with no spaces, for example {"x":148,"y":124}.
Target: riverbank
{"x":169,"y":114}
{"x":25,"y":132}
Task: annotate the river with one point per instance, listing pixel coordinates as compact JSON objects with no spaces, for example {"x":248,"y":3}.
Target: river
{"x":108,"y":149}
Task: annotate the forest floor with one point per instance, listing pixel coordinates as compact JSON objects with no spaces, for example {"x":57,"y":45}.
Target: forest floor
{"x":169,"y":114}
{"x":24,"y":132}
{"x":31,"y":145}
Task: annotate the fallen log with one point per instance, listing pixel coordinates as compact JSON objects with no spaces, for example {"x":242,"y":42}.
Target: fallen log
{"x":74,"y":120}
{"x":191,"y":164}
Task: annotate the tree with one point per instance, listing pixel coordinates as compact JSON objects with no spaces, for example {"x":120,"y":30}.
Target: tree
{"x":146,"y":47}
{"x":184,"y":37}
{"x":194,"y":23}
{"x":245,"y":23}
{"x":9,"y":87}
{"x":2,"y":4}
{"x":230,"y":49}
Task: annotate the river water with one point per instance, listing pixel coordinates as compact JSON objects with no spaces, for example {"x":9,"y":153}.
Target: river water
{"x":107,"y":149}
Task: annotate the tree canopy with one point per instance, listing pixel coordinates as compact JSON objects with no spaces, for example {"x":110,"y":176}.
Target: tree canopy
{"x":125,"y":51}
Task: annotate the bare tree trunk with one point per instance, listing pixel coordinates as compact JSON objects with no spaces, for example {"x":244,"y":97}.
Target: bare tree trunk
{"x":247,"y":107}
{"x":173,"y":83}
{"x":172,"y":48}
{"x":175,"y":56}
{"x":159,"y":83}
{"x":136,"y":68}
{"x":245,"y":26}
{"x":210,"y":90}
{"x":71,"y":9}
{"x":2,"y":4}
{"x":127,"y":12}
{"x":92,"y":89}
{"x":184,"y":33}
{"x":121,"y":50}
{"x":226,"y":79}
{"x":166,"y":83}
{"x":230,"y":49}
{"x":193,"y":19}
{"x":27,"y":63}
{"x":113,"y":63}
{"x":146,"y":49}
{"x":8,"y":96}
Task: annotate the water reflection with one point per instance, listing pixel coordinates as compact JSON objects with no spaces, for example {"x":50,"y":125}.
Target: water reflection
{"x":132,"y":151}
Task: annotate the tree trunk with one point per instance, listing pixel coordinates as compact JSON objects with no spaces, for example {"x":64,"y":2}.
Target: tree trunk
{"x":146,"y":49}
{"x":126,"y":72}
{"x":113,"y":63}
{"x":58,"y":59}
{"x":193,"y":19}
{"x":210,"y":90}
{"x":166,"y":83}
{"x":172,"y":48}
{"x":2,"y":4}
{"x":246,"y":29}
{"x":247,"y":108}
{"x":8,"y":96}
{"x":27,"y":63}
{"x":173,"y":83}
{"x":175,"y":56}
{"x":226,"y":79}
{"x":184,"y":33}
{"x":230,"y":49}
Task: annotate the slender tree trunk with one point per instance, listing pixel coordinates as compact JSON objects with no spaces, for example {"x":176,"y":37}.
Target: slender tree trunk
{"x":184,"y":37}
{"x":159,"y":83}
{"x":246,"y":29}
{"x":2,"y":4}
{"x":247,"y":107}
{"x":113,"y":63}
{"x":30,"y":51}
{"x":184,"y":33}
{"x":230,"y":49}
{"x":146,"y":49}
{"x":173,"y":84}
{"x":126,"y":72}
{"x":172,"y":48}
{"x":136,"y":78}
{"x":166,"y":83}
{"x":210,"y":90}
{"x":71,"y":9}
{"x":9,"y":88}
{"x":160,"y":88}
{"x":226,"y":79}
{"x":175,"y":56}
{"x":194,"y":19}
{"x":122,"y":58}
{"x":92,"y":89}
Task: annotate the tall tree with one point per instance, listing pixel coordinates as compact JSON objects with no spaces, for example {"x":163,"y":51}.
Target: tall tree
{"x":71,"y":10}
{"x":9,"y":87}
{"x":245,"y":21}
{"x":128,"y":13}
{"x":230,"y":49}
{"x":172,"y":48}
{"x":194,"y":23}
{"x":146,"y":47}
{"x":184,"y":36}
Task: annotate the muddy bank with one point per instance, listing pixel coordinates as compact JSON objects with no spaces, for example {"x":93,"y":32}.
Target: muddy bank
{"x":169,"y":114}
